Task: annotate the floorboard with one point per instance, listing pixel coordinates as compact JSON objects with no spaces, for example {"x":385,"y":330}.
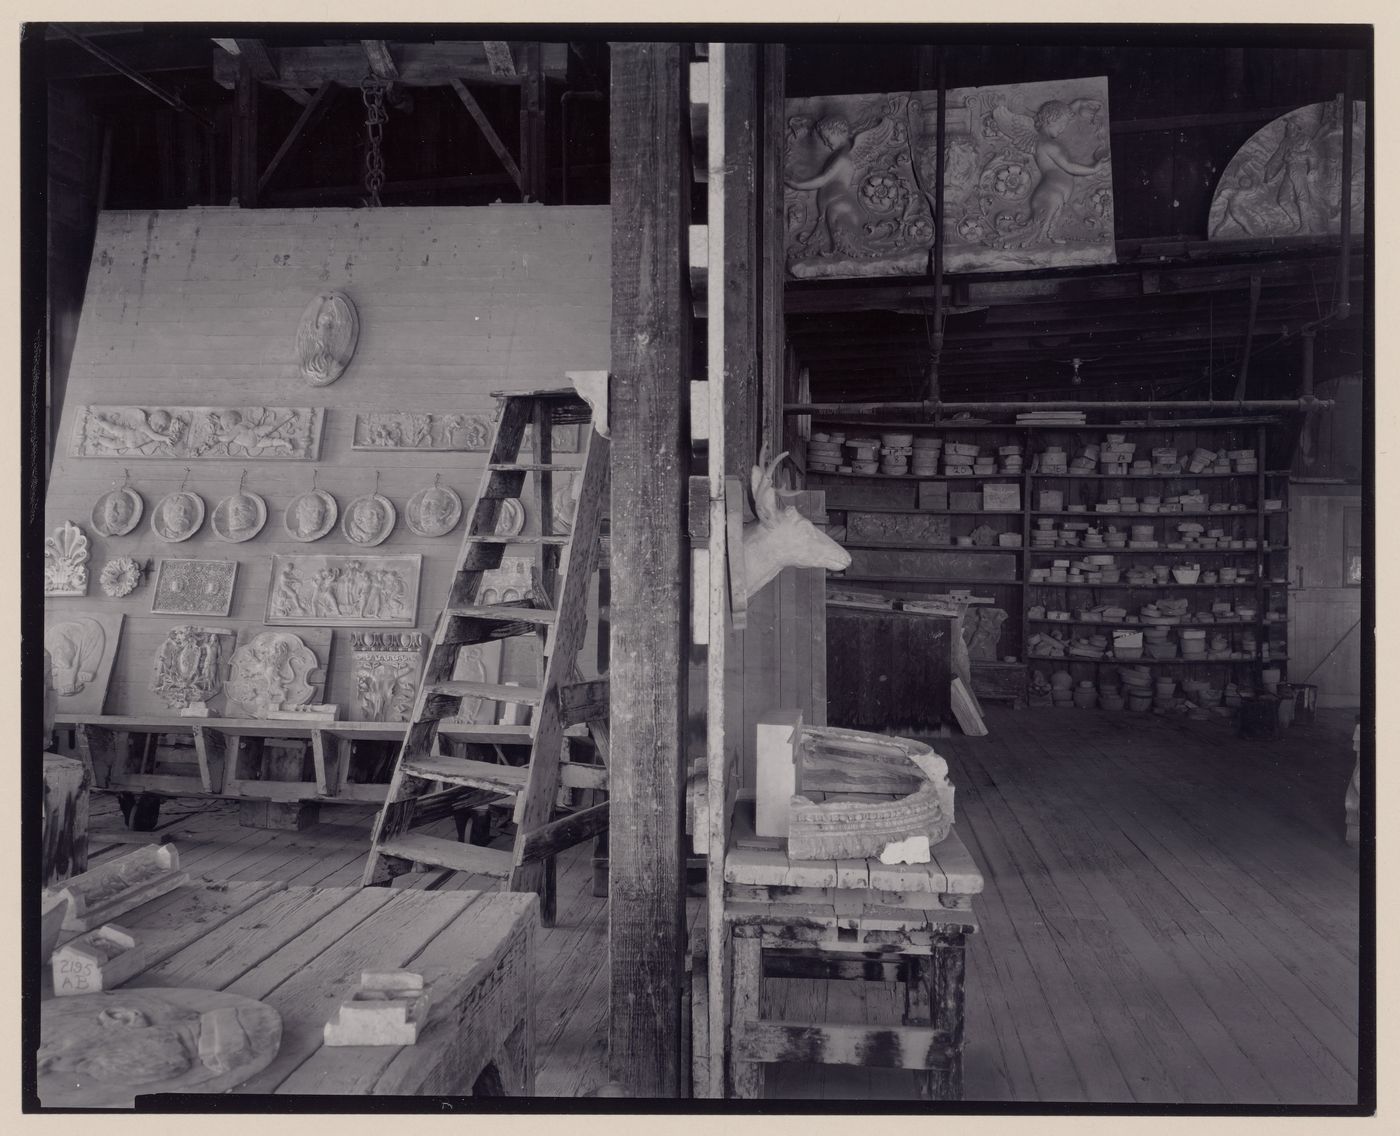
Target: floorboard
{"x":1171,"y":915}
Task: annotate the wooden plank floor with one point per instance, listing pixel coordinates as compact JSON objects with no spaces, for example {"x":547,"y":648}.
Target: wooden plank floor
{"x":1171,"y":915}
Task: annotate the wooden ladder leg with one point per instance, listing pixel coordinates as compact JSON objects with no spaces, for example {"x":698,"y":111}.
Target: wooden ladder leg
{"x":946,"y":982}
{"x":746,"y":979}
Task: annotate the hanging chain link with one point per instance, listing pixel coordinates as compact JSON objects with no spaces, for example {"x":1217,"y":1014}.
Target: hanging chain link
{"x":372,"y":92}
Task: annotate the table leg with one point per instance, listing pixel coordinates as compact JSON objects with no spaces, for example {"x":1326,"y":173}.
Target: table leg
{"x":746,"y":984}
{"x":948,"y":963}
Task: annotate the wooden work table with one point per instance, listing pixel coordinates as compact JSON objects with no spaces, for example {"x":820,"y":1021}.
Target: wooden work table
{"x":301,"y":951}
{"x":835,"y":919}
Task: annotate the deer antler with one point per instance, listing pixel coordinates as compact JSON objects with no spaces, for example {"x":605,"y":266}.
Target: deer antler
{"x":765,"y":494}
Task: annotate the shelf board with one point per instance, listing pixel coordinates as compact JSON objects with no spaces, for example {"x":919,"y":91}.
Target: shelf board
{"x":1250,"y":513}
{"x":819,"y":421}
{"x":1148,"y":476}
{"x":1059,"y":551}
{"x":921,"y":476}
{"x":928,"y":547}
{"x":923,"y":581}
{"x":1177,"y":662}
{"x":1137,"y":587}
{"x":1142,"y":626}
{"x":915,"y":512}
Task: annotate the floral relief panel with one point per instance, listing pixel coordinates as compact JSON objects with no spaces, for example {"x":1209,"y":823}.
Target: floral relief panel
{"x":1027,"y":180}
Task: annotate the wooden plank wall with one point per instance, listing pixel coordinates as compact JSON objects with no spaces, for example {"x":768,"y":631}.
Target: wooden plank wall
{"x":1321,"y":608}
{"x":200,"y":307}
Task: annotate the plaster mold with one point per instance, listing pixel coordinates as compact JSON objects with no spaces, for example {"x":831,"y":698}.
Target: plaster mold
{"x":310,"y":516}
{"x":326,"y":337}
{"x":239,"y":517}
{"x":1286,"y":180}
{"x":275,"y":671}
{"x":118,"y":512}
{"x":194,"y":587}
{"x":369,"y":520}
{"x":343,"y":591}
{"x":434,"y":511}
{"x":66,"y":556}
{"x":81,"y":647}
{"x":238,"y":432}
{"x":422,"y":430}
{"x":1027,"y":181}
{"x":178,"y":516}
{"x":189,"y":667}
{"x":388,"y":665}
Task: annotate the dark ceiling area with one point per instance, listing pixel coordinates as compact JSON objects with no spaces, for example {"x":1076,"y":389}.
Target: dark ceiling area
{"x":470,"y":122}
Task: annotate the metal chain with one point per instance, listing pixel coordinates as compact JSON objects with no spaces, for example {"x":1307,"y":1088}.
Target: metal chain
{"x":372,"y":92}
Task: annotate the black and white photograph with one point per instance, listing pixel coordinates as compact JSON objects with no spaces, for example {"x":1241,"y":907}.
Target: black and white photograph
{"x":843,"y":580}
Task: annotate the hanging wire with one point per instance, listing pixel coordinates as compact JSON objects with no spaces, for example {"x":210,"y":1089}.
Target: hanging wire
{"x":372,"y":93}
{"x":376,"y":483}
{"x":242,"y":477}
{"x":314,"y":472}
{"x":184,"y":480}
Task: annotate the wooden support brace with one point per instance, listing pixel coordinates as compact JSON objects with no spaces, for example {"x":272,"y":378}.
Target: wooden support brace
{"x":315,"y":108}
{"x":489,"y":132}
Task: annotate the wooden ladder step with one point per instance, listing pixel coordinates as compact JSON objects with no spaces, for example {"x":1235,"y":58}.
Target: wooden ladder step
{"x":503,"y":613}
{"x":497,"y":692}
{"x":496,"y":538}
{"x":435,"y":850}
{"x":487,"y":734}
{"x":531,"y":467}
{"x":507,"y":779}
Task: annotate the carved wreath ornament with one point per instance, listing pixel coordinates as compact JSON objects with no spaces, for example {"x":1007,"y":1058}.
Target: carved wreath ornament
{"x":120,"y":576}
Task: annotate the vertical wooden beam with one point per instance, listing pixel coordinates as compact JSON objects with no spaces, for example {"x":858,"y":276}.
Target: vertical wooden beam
{"x":650,"y":367}
{"x":534,"y":166}
{"x":245,"y":136}
{"x":772,"y":227}
{"x":741,"y":262}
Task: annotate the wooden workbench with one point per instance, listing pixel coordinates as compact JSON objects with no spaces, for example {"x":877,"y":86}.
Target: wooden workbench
{"x":844,"y":919}
{"x":301,"y":951}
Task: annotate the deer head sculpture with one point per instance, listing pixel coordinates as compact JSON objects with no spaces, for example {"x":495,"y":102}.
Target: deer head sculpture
{"x":783,"y":537}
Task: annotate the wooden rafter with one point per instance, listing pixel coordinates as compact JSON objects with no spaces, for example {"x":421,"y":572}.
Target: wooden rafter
{"x":315,"y":109}
{"x":259,"y":62}
{"x":489,"y":132}
{"x":419,"y":65}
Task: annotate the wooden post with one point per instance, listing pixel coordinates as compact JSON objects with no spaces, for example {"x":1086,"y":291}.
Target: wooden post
{"x":245,"y":136}
{"x":650,"y":357}
{"x":740,"y":252}
{"x":772,"y":227}
{"x":534,"y":167}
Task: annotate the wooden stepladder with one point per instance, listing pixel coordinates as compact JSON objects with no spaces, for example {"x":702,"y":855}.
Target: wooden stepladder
{"x":426,"y":785}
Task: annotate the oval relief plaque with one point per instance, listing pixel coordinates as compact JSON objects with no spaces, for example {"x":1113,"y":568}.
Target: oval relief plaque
{"x":239,"y":517}
{"x":310,"y":516}
{"x":326,"y":338}
{"x":369,"y":520}
{"x":178,"y":516}
{"x":434,"y":511}
{"x":118,"y":512}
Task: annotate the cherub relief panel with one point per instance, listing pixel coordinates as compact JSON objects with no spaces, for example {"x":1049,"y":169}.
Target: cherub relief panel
{"x":242,"y":432}
{"x":1027,"y":181}
{"x":1286,"y":181}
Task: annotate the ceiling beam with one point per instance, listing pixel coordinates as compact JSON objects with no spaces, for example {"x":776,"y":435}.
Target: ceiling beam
{"x":418,"y":64}
{"x":121,"y":68}
{"x":259,"y":62}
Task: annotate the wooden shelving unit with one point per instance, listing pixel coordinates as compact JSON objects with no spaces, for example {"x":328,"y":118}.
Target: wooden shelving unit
{"x":880,"y":493}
